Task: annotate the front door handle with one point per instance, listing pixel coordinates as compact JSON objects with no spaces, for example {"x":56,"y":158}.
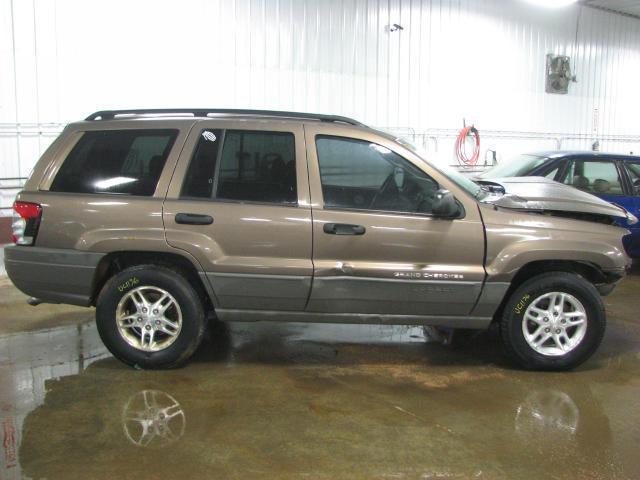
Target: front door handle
{"x":193,"y":219}
{"x":343,"y":229}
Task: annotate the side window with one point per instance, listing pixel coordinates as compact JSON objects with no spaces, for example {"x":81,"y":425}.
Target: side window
{"x":594,"y":176}
{"x":633,"y":169}
{"x":115,"y":161}
{"x":258,"y":166}
{"x":356,"y":174}
{"x":198,"y":182}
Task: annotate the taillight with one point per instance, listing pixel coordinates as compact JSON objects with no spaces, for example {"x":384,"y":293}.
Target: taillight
{"x":26,"y":220}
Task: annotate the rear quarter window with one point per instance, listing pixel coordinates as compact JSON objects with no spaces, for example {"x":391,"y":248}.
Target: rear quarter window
{"x":116,"y":161}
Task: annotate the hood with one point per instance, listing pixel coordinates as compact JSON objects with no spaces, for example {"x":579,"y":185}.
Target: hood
{"x":542,"y":194}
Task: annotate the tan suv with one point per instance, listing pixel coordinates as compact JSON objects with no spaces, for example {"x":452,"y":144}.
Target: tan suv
{"x":162,"y":217}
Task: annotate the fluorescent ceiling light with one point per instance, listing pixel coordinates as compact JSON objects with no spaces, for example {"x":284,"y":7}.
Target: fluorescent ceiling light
{"x":379,"y":148}
{"x":552,"y":3}
{"x":113,"y":182}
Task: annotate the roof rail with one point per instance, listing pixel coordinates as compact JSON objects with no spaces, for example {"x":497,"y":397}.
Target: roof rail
{"x":204,"y":112}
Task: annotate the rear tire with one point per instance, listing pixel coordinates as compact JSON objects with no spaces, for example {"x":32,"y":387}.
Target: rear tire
{"x":169,"y":330}
{"x":553,"y":321}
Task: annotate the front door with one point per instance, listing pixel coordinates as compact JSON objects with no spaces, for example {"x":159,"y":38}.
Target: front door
{"x":598,"y":176}
{"x":632,"y":204}
{"x":377,"y":249}
{"x":239,"y":204}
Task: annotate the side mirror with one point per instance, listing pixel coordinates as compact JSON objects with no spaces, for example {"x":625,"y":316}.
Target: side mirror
{"x":445,"y":205}
{"x":636,"y":187}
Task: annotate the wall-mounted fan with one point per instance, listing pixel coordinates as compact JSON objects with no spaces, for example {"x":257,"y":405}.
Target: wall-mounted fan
{"x":558,"y":74}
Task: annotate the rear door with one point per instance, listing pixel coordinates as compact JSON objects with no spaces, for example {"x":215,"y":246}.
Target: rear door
{"x":239,"y":203}
{"x":376,"y":246}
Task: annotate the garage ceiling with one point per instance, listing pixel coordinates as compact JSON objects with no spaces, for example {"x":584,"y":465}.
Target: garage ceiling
{"x":626,"y":7}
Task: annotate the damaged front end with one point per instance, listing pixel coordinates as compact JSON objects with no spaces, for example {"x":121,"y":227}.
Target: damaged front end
{"x":547,"y":197}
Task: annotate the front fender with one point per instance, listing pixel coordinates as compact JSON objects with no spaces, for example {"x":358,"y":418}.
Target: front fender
{"x":512,"y":257}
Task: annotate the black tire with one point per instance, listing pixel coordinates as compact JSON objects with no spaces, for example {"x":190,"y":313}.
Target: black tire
{"x":513,"y":339}
{"x":172,"y":281}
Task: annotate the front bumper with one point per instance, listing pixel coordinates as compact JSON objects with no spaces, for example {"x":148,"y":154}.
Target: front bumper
{"x":611,"y":279}
{"x":52,"y":275}
{"x":615,"y":275}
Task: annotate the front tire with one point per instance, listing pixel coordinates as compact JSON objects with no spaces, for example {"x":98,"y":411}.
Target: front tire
{"x":553,"y":321}
{"x":150,"y":317}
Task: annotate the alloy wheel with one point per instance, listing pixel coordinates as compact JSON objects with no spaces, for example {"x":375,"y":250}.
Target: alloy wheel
{"x":554,"y":323}
{"x":149,"y":318}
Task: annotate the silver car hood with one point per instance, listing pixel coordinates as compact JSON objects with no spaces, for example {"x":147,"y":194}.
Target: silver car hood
{"x":540,"y":194}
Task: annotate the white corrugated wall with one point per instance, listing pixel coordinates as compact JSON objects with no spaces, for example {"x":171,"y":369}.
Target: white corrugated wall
{"x":482,"y":60}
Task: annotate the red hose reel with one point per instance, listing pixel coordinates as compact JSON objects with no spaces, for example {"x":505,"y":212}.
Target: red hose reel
{"x":461,"y":147}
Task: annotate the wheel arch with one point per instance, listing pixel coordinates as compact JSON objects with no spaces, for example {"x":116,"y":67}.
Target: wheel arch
{"x":589,"y":271}
{"x":115,"y":262}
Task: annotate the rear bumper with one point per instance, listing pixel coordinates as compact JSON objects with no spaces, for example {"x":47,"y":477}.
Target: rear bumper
{"x":51,"y":274}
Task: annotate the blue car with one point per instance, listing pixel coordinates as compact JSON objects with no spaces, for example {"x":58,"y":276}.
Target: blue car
{"x":612,"y":177}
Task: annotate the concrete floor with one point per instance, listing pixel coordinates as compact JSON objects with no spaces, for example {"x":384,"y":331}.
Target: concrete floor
{"x":312,"y":401}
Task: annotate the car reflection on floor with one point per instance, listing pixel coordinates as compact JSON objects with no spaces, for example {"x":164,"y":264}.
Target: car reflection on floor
{"x":275,"y":400}
{"x":153,"y":418}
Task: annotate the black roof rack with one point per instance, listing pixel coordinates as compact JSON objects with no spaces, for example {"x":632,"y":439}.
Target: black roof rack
{"x":203,"y":112}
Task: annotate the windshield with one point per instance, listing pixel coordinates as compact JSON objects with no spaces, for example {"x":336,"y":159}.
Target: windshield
{"x":518,"y":166}
{"x":456,"y":177}
{"x":460,"y":180}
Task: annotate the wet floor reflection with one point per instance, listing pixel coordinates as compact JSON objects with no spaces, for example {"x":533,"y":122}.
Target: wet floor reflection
{"x":153,"y":418}
{"x":318,"y":401}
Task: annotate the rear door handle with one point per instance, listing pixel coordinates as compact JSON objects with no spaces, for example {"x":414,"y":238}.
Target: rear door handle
{"x":343,"y":229}
{"x":193,"y":219}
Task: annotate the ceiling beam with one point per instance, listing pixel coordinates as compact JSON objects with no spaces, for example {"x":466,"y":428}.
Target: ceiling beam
{"x":598,"y":6}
